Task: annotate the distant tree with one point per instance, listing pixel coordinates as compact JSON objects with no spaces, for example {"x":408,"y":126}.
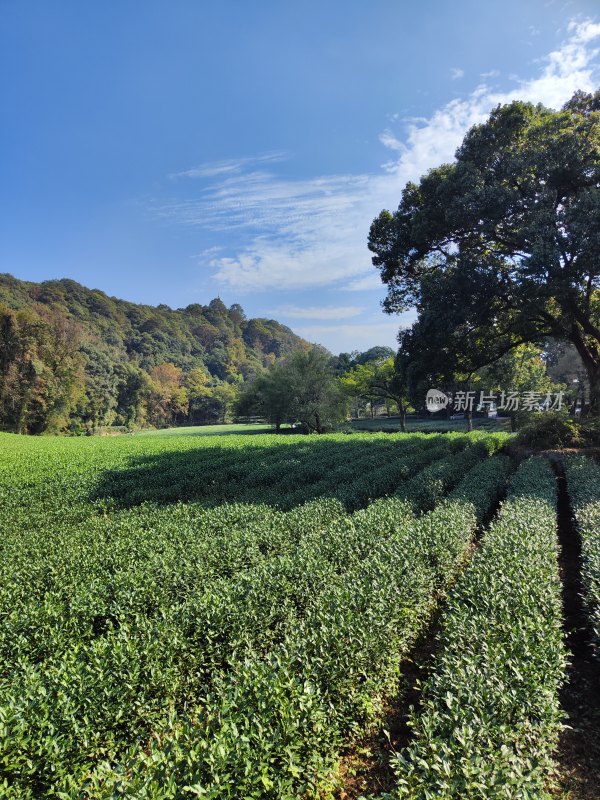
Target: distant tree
{"x":375,"y":354}
{"x":236,"y":314}
{"x":345,"y":362}
{"x":303,"y":388}
{"x":225,"y":394}
{"x":41,"y":370}
{"x":132,"y":389}
{"x":384,"y":380}
{"x":168,"y":399}
{"x":390,"y":383}
{"x":356,"y":384}
{"x":318,"y":400}
{"x":515,"y":220}
{"x":199,"y":387}
{"x":271,"y":395}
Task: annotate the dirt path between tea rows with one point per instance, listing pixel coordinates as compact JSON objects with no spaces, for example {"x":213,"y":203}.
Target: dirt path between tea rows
{"x":578,"y":755}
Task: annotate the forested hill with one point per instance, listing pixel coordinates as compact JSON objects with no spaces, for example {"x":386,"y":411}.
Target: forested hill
{"x":72,"y":356}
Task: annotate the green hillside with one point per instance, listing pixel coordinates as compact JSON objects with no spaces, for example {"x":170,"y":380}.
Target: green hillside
{"x":75,"y":358}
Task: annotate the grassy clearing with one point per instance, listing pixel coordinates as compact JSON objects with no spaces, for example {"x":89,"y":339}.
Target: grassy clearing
{"x":212,"y":430}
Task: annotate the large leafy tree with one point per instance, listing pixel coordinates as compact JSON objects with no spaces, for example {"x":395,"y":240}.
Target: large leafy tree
{"x":505,"y":240}
{"x":379,"y":380}
{"x":303,"y":388}
{"x":318,"y":401}
{"x":270,"y":395}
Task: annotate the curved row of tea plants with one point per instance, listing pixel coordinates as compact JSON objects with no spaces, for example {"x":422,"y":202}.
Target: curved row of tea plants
{"x":583,"y":482}
{"x":274,"y":721}
{"x":490,"y":714}
{"x":425,"y":490}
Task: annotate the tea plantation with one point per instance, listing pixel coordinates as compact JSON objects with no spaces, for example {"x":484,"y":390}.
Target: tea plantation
{"x":223,"y":617}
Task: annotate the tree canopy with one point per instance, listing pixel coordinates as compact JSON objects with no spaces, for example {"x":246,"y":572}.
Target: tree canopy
{"x":502,"y":247}
{"x":303,"y":388}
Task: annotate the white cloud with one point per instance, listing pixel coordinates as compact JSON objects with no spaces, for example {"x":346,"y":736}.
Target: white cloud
{"x":361,"y":337}
{"x":209,"y":252}
{"x":457,"y":72}
{"x":319,"y":312}
{"x":388,"y":140}
{"x":584,"y":32}
{"x":313,"y":232}
{"x":229,"y":166}
{"x":367,"y":283}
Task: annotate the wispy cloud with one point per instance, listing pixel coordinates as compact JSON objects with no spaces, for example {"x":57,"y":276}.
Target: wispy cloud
{"x":312,"y":233}
{"x":364,"y":284}
{"x":457,"y":72}
{"x":390,"y":141}
{"x":319,"y":312}
{"x":229,"y":166}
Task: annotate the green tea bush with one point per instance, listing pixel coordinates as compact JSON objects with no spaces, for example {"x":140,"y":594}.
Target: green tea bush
{"x":157,"y":643}
{"x":273,"y":726}
{"x":490,"y":713}
{"x":426,"y":488}
{"x":583,"y":482}
{"x":551,"y":430}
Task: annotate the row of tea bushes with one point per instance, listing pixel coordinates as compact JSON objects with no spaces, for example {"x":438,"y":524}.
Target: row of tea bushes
{"x":583,"y":483}
{"x":490,"y":713}
{"x":424,"y":490}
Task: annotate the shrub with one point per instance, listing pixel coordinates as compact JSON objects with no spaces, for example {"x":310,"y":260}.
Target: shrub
{"x":551,"y":430}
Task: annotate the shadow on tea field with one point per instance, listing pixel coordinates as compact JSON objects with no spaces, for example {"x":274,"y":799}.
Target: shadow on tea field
{"x":285,"y":474}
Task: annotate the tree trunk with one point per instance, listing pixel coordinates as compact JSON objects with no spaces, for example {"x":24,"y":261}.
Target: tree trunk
{"x":593,"y":408}
{"x":469,"y":421}
{"x":402,"y":411}
{"x":591,"y":361}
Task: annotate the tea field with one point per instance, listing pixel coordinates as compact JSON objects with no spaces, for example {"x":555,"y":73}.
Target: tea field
{"x":226,"y":616}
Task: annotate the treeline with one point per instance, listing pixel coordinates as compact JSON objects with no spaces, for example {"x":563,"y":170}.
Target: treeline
{"x":73,"y":359}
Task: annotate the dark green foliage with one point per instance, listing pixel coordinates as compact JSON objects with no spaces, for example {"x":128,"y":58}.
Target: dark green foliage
{"x":502,"y":246}
{"x":555,"y":430}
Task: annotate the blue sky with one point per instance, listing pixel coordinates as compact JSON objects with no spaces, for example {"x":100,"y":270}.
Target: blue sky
{"x":169,"y":152}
